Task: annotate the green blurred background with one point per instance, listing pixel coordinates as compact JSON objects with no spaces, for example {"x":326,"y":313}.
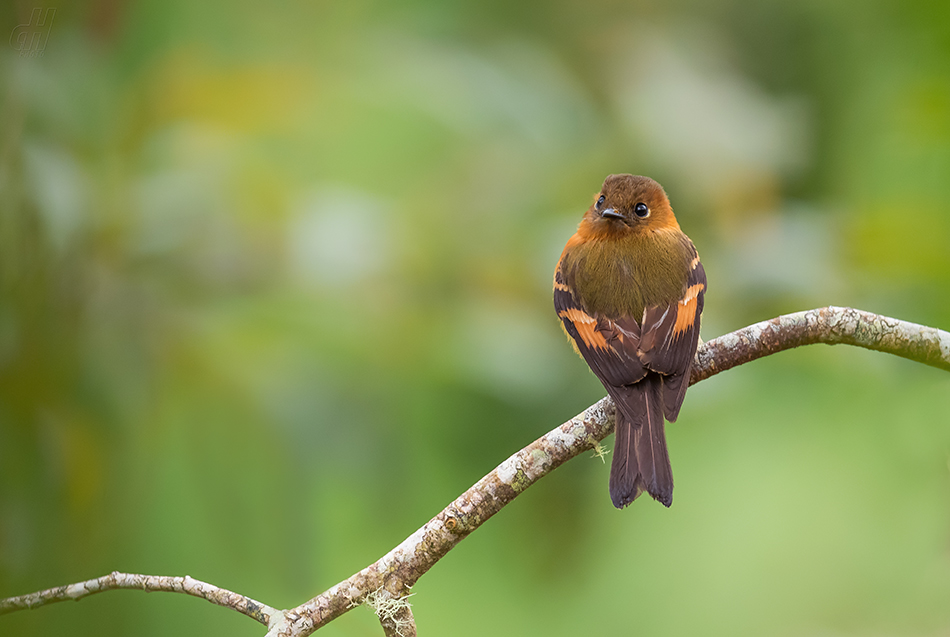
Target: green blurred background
{"x":275,"y":288}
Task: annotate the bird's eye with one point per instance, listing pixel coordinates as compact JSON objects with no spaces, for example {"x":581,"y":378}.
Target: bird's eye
{"x":600,"y":201}
{"x":641,"y":210}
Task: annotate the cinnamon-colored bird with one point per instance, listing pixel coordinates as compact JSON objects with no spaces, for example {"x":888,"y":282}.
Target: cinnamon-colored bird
{"x":629,"y":291}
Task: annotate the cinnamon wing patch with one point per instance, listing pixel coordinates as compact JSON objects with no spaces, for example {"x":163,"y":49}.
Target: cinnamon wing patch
{"x":610,"y":347}
{"x":670,"y":335}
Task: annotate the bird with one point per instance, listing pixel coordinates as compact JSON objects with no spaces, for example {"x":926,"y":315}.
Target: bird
{"x":629,"y":289}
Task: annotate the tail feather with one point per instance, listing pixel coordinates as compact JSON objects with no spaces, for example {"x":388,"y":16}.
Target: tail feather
{"x":625,"y":481}
{"x":641,"y":461}
{"x":674,"y":390}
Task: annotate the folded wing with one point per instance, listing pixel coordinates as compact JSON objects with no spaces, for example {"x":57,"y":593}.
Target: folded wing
{"x":670,"y":335}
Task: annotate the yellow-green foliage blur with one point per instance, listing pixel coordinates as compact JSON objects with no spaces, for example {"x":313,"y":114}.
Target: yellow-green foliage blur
{"x":275,"y":289}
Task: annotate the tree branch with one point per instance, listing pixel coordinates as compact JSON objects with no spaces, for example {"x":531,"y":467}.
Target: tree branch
{"x":829,"y":325}
{"x":115,"y":580}
{"x":385,"y":584}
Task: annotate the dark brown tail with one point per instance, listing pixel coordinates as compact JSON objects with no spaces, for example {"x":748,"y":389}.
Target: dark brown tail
{"x":641,"y":461}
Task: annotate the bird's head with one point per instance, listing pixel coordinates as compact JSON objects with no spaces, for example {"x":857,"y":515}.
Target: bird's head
{"x":629,"y":204}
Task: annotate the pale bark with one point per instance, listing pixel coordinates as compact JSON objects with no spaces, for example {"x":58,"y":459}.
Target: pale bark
{"x":116,"y":580}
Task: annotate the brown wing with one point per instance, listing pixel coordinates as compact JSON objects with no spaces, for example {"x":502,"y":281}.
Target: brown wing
{"x":670,"y":335}
{"x":610,"y":347}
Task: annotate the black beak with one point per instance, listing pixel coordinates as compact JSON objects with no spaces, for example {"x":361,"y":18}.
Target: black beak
{"x":610,"y":213}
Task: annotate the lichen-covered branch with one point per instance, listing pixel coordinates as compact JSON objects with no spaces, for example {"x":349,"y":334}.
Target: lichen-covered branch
{"x":400,"y":623}
{"x":403,"y":566}
{"x":399,"y":569}
{"x":116,"y":580}
{"x":394,"y":613}
{"x":829,"y":325}
{"x":385,"y":584}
